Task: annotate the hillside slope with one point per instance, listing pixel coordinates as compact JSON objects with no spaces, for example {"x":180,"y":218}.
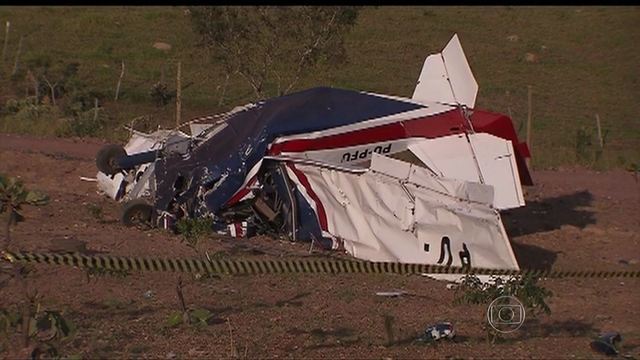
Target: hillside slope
{"x":581,"y":61}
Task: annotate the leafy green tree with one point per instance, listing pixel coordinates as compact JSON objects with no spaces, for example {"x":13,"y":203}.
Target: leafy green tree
{"x":273,"y":47}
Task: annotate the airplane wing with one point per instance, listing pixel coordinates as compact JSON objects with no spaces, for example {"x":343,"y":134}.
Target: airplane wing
{"x":399,"y":212}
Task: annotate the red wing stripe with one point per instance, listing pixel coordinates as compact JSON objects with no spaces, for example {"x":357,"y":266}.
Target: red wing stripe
{"x":322,"y":215}
{"x":447,"y":123}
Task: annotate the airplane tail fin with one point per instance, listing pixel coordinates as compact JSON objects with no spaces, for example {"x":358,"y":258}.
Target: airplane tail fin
{"x":447,"y":78}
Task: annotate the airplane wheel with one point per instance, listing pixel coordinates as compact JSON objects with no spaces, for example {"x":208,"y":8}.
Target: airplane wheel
{"x":107,"y":158}
{"x":137,"y":213}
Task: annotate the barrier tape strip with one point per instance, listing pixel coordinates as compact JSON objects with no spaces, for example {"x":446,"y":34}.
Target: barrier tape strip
{"x":282,"y":266}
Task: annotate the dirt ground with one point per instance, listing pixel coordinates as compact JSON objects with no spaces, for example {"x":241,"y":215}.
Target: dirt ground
{"x":574,"y":219}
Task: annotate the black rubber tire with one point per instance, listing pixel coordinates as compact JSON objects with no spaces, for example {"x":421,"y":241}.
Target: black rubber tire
{"x":106,"y":159}
{"x":137,"y":212}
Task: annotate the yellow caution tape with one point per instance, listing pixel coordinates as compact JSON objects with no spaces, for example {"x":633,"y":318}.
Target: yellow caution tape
{"x":282,"y":266}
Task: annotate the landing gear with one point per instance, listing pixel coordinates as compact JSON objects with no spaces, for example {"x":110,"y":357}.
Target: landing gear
{"x":107,"y":158}
{"x":137,"y":212}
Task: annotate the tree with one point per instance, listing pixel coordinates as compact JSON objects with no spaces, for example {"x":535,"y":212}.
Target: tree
{"x":273,"y":47}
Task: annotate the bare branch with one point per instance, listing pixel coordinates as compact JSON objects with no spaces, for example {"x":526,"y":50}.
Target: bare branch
{"x":254,"y":84}
{"x":308,"y":52}
{"x":267,"y":45}
{"x":52,"y":88}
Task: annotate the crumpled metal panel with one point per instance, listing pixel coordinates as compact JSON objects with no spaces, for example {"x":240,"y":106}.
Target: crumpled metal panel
{"x":219,"y":166}
{"x":138,"y":143}
{"x":398,"y":212}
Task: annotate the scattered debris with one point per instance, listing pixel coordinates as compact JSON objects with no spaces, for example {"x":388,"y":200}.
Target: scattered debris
{"x":84,"y":178}
{"x":531,"y":57}
{"x":606,"y":343}
{"x":439,"y":331}
{"x":148,"y":294}
{"x":194,"y":352}
{"x":513,"y":38}
{"x":397,"y":293}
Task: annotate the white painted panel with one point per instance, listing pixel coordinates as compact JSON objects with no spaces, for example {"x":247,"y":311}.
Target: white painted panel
{"x":498,"y":166}
{"x":109,"y":186}
{"x":465,"y":87}
{"x":449,"y":156}
{"x":354,"y":155}
{"x":196,"y":129}
{"x":433,"y":84}
{"x":452,"y":157}
{"x":447,"y":78}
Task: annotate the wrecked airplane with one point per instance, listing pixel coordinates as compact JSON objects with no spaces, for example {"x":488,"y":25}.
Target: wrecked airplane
{"x":385,"y":178}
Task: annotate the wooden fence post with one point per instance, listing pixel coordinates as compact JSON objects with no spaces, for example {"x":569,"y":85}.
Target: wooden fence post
{"x":119,"y":81}
{"x":178,"y":94}
{"x":15,"y":65}
{"x":599,"y":131}
{"x":529,"y":124}
{"x":95,"y":109}
{"x":6,"y":41}
{"x":509,"y":104}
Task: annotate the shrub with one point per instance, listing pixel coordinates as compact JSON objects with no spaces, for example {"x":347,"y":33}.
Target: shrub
{"x":194,"y":229}
{"x":83,"y":124}
{"x":160,"y":94}
{"x":526,"y":289}
{"x":13,"y":195}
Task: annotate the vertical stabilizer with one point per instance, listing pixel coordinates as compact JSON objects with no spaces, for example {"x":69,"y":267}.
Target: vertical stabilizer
{"x":447,"y":78}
